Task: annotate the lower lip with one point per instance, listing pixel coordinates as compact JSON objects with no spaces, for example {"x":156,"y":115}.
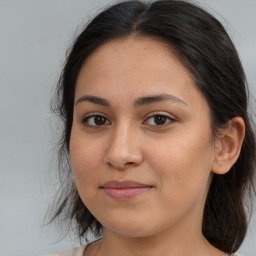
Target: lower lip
{"x":125,"y":193}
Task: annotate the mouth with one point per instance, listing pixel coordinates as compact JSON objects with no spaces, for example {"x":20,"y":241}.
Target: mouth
{"x":124,"y":190}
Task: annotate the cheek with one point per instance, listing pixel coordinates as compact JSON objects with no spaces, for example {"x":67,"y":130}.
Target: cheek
{"x":182,"y":161}
{"x":85,"y":159}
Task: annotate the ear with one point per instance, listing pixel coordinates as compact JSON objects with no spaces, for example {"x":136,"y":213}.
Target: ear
{"x":228,"y":146}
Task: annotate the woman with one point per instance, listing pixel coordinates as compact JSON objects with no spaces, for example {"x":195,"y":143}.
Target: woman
{"x":156,"y":134}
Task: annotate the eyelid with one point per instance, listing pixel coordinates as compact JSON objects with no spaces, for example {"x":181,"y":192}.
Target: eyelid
{"x":171,"y":118}
{"x":160,"y":113}
{"x":93,"y":114}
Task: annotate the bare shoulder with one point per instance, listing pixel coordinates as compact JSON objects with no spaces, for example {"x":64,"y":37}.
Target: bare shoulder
{"x":78,"y":251}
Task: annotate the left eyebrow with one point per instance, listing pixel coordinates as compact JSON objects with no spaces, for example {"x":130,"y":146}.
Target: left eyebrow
{"x":156,"y":98}
{"x":137,"y":103}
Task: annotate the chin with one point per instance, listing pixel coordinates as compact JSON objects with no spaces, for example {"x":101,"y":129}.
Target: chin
{"x":123,"y":226}
{"x":132,"y":228}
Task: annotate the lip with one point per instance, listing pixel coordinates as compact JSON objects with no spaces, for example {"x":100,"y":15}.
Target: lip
{"x":124,"y":190}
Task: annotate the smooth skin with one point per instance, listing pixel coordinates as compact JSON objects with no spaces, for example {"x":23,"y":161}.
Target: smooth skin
{"x":164,"y":142}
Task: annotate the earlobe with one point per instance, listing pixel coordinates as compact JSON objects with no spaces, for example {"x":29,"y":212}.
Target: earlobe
{"x":229,"y":146}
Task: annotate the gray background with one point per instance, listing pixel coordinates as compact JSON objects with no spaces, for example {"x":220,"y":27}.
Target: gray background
{"x":34,"y":36}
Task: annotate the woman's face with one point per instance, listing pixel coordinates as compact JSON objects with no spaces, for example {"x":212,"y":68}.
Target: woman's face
{"x":141,"y":144}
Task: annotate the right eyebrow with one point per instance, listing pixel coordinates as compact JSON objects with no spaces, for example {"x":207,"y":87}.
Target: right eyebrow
{"x":93,"y":99}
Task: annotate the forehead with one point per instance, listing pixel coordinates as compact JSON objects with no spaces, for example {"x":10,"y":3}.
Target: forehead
{"x":133,"y":54}
{"x":135,"y":65}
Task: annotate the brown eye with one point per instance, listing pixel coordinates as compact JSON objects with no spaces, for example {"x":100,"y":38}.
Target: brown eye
{"x":160,"y":120}
{"x":95,"y":120}
{"x":99,"y":120}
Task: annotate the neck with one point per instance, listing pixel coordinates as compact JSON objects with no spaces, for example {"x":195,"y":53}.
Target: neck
{"x":164,"y":244}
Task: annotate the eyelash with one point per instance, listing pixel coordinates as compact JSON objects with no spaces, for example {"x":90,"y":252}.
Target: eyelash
{"x":85,"y":120}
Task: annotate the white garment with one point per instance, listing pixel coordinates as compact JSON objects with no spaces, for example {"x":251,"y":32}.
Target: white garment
{"x":78,"y":251}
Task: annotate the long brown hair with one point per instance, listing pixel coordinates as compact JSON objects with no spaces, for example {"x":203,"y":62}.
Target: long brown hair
{"x":206,"y":50}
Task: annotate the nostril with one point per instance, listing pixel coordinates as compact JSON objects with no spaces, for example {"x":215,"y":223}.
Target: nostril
{"x":121,"y":166}
{"x":129,"y":163}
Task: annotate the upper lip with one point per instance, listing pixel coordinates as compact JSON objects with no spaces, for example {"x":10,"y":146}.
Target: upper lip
{"x":124,"y":184}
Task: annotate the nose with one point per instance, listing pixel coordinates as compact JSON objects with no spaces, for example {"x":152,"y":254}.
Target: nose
{"x":124,"y":149}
